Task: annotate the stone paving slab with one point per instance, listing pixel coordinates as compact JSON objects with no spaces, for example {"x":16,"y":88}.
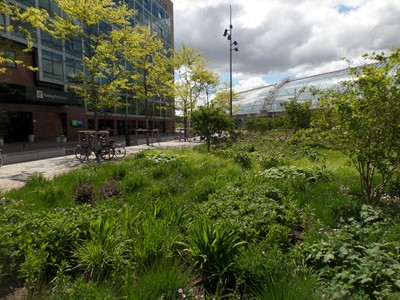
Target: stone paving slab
{"x":15,"y":175}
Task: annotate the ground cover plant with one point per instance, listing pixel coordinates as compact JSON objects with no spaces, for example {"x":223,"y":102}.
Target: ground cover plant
{"x":257,"y":218}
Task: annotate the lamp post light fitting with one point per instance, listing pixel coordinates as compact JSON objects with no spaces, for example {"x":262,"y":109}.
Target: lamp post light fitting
{"x":232,"y":47}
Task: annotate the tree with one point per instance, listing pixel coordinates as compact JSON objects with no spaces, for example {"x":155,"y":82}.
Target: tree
{"x":208,"y":121}
{"x":362,"y":120}
{"x":222,"y":97}
{"x":297,"y":115}
{"x":97,"y":23}
{"x":208,"y":83}
{"x":150,"y":69}
{"x":191,"y":79}
{"x":24,"y":22}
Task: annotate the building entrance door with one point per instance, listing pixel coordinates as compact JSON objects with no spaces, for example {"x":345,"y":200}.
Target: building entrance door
{"x":19,"y":126}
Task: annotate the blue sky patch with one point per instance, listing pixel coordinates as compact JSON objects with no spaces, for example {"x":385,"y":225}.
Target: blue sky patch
{"x":344,"y":9}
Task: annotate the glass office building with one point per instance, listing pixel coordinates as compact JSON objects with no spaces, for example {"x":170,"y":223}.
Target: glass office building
{"x":39,"y":103}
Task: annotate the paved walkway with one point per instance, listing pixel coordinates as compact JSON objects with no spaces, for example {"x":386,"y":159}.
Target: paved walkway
{"x":15,"y":175}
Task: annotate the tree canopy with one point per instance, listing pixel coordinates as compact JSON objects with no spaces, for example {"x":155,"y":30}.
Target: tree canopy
{"x":362,"y":120}
{"x":192,"y":80}
{"x":208,"y":121}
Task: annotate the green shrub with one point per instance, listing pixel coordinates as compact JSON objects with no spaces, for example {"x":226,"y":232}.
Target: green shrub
{"x":393,"y":186}
{"x":243,"y":159}
{"x":298,"y":178}
{"x":252,"y":208}
{"x":354,"y":260}
{"x":270,"y":160}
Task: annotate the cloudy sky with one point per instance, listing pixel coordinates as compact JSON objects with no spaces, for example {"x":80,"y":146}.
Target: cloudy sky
{"x":285,"y":38}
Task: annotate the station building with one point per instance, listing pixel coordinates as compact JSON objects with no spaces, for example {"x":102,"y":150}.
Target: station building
{"x":268,"y":101}
{"x":37,"y":105}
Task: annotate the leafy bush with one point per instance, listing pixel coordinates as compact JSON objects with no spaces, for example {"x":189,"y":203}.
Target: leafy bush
{"x":252,"y":209}
{"x":270,"y":160}
{"x":119,"y":172}
{"x":393,"y":186}
{"x":35,"y":244}
{"x":165,"y":158}
{"x":298,"y":178}
{"x":354,"y":260}
{"x":36,"y":179}
{"x":243,"y":159}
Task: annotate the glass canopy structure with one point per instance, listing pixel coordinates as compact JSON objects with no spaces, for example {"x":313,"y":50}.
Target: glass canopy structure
{"x":267,"y":101}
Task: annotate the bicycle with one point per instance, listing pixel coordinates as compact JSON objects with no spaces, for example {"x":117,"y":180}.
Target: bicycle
{"x":119,"y":149}
{"x":85,"y":150}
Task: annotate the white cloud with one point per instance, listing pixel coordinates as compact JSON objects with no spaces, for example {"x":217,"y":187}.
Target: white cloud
{"x":249,"y":82}
{"x":304,"y":37}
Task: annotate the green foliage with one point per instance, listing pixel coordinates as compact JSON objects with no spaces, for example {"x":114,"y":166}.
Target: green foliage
{"x":104,"y":250}
{"x":133,"y":183}
{"x":36,"y":179}
{"x":361,"y":120}
{"x":297,"y":115}
{"x":161,"y":280}
{"x":214,"y":249}
{"x":208,"y":121}
{"x":243,"y":159}
{"x":253,"y":209}
{"x":356,"y":259}
{"x":270,"y":160}
{"x":393,"y":186}
{"x":164,"y":158}
{"x":247,"y":231}
{"x":35,"y":243}
{"x":297,"y":178}
{"x":261,"y":125}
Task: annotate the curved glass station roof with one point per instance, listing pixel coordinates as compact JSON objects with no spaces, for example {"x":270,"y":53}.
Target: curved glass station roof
{"x":268,"y":100}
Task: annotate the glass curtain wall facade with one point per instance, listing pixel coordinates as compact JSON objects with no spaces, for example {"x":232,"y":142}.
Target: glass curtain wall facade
{"x":59,"y":62}
{"x":268,"y":101}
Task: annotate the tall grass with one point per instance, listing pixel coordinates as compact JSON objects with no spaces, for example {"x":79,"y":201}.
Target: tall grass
{"x":230,"y":221}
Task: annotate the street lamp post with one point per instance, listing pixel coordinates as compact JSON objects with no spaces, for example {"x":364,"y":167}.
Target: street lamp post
{"x":232,"y":47}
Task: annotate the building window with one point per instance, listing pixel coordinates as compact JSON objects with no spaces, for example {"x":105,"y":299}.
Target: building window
{"x":51,"y":42}
{"x":74,"y":70}
{"x":11,"y":57}
{"x":73,"y":46}
{"x":50,"y":6}
{"x":23,"y":29}
{"x":139,"y":13}
{"x":30,"y":3}
{"x":52,"y":65}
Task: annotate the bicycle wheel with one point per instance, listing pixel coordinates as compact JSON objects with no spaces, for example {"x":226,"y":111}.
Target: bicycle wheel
{"x":78,"y":151}
{"x":106,"y":152}
{"x":84,"y":154}
{"x":119,"y":151}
